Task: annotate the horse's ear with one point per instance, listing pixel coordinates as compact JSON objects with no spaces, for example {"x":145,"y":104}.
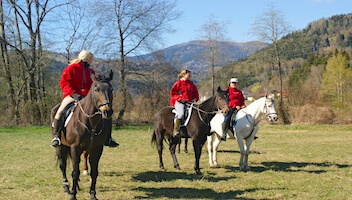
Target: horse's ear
{"x":219,"y":89}
{"x":92,"y":76}
{"x":110,"y":75}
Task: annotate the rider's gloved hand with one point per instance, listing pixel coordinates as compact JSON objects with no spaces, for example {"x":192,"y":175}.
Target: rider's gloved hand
{"x":76,"y":96}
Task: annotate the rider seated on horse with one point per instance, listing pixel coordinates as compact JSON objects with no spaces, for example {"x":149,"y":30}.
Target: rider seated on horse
{"x":75,"y":84}
{"x":183,"y":91}
{"x":236,"y":102}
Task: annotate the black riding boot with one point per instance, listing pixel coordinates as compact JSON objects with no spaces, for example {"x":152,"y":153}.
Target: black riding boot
{"x":57,"y":130}
{"x":111,"y":142}
{"x":224,"y":129}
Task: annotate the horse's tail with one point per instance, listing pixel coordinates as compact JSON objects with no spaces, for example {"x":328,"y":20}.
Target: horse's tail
{"x":153,"y":142}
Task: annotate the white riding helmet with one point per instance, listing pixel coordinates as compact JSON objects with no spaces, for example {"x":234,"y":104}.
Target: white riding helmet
{"x":234,"y":80}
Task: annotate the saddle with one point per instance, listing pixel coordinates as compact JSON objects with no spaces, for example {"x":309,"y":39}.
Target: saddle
{"x":67,"y":112}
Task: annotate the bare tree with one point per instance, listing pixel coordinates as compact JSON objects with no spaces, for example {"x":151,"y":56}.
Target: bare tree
{"x":213,"y":32}
{"x":78,"y":28}
{"x":132,"y":25}
{"x":270,"y":26}
{"x":22,"y":39}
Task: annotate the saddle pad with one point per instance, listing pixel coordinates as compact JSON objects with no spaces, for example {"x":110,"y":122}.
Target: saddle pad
{"x":68,"y":112}
{"x":188,"y":115}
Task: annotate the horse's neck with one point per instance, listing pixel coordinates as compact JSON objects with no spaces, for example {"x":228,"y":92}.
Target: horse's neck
{"x":208,"y":105}
{"x":87,"y":114}
{"x":255,"y":109}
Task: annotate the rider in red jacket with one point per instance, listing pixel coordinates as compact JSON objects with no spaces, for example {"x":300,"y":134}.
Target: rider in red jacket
{"x":75,"y":84}
{"x":236,"y":102}
{"x":76,"y":79}
{"x":183,"y":91}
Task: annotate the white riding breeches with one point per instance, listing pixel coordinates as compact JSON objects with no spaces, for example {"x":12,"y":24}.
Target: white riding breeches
{"x":180,"y":110}
{"x":67,"y":100}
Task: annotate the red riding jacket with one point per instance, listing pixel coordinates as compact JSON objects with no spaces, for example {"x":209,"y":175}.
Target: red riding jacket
{"x":183,"y":90}
{"x":76,"y":79}
{"x":235,"y":97}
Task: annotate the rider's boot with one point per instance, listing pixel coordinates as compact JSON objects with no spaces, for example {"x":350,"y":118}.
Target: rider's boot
{"x":57,"y":132}
{"x":177,"y":124}
{"x":224,"y":128}
{"x":111,"y":142}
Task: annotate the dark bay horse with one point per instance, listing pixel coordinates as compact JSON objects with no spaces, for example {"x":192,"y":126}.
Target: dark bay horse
{"x":197,"y":128}
{"x":87,"y":131}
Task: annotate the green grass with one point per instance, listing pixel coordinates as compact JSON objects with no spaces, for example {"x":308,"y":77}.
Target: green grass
{"x":288,"y":162}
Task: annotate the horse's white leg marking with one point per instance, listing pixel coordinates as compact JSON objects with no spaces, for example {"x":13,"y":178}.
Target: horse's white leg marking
{"x":248,"y":144}
{"x":85,"y":172}
{"x":242,"y":147}
{"x":210,"y":149}
{"x":216,"y":143}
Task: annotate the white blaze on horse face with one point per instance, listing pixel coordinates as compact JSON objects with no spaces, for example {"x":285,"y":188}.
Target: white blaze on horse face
{"x":269,"y":108}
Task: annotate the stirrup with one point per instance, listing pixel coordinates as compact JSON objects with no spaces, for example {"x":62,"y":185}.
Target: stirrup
{"x":55,"y":139}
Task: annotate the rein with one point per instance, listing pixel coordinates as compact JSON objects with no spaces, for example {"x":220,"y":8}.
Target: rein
{"x":199,"y":111}
{"x":93,"y":131}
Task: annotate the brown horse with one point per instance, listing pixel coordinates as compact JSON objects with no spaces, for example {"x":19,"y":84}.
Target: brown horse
{"x":197,"y":128}
{"x":87,"y":131}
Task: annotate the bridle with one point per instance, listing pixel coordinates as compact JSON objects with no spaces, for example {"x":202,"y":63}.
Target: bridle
{"x":266,"y":109}
{"x":97,"y":112}
{"x":199,"y":110}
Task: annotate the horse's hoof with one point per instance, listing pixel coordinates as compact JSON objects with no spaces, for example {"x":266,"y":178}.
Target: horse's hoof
{"x":177,"y":167}
{"x":66,"y":189}
{"x":92,"y":196}
{"x":198,"y":172}
{"x":73,"y":197}
{"x":85,"y":172}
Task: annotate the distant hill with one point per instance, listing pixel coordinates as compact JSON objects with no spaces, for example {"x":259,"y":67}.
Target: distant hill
{"x":190,"y":55}
{"x":320,"y":37}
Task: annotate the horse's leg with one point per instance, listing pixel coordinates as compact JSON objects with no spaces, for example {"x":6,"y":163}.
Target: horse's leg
{"x":179,"y":146}
{"x":158,"y":138}
{"x":210,"y":149}
{"x":216,"y":143}
{"x":62,"y":153}
{"x":85,"y":165}
{"x":248,"y":146}
{"x":76,"y":157}
{"x":197,"y":145}
{"x":173,"y":143}
{"x":94,"y":161}
{"x":242,"y":148}
{"x":186,"y":145}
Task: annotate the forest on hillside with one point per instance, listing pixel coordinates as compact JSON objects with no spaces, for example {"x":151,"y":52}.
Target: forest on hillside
{"x":317,"y":72}
{"x":315,"y":61}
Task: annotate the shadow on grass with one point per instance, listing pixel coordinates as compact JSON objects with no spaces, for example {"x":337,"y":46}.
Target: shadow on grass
{"x":290,"y":167}
{"x":160,"y":176}
{"x":236,"y":151}
{"x":192,"y":193}
{"x":298,"y":166}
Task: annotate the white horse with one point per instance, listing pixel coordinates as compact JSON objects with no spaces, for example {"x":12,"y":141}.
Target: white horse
{"x":245,"y":127}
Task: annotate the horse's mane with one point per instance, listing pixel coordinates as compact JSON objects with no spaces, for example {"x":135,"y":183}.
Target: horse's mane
{"x":101,"y":78}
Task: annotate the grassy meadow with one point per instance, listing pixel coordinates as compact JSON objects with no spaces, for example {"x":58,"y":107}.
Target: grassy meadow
{"x":288,"y":162}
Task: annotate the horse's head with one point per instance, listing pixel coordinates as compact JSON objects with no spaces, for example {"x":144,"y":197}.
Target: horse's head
{"x":222,"y":100}
{"x":101,"y":91}
{"x":269,"y":108}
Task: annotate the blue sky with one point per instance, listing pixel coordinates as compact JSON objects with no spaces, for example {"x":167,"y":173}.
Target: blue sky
{"x":241,"y":14}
